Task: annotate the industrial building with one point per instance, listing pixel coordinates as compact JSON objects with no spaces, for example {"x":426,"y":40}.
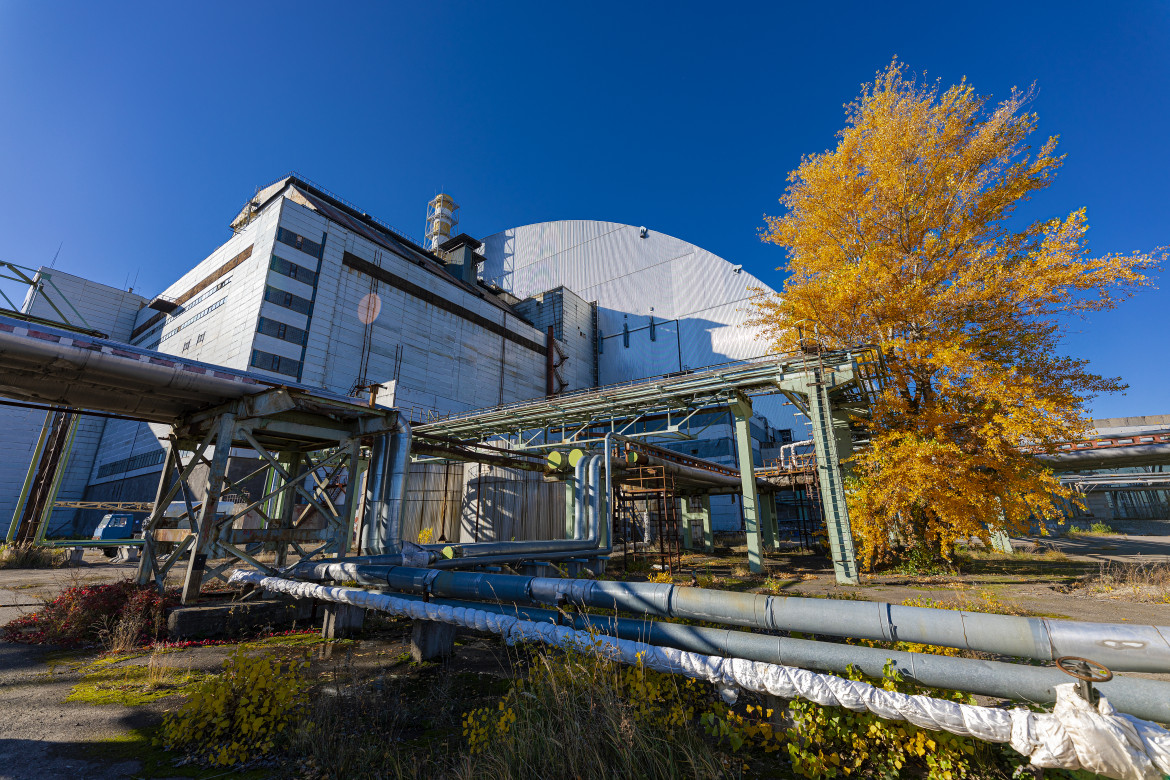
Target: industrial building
{"x":311,"y":291}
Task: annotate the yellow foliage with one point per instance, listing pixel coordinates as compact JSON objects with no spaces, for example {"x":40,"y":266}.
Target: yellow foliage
{"x":904,"y":237}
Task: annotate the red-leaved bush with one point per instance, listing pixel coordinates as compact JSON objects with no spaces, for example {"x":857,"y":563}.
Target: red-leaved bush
{"x":90,"y":614}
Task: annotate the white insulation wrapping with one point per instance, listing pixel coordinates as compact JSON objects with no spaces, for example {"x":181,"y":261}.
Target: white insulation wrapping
{"x":1076,"y":735}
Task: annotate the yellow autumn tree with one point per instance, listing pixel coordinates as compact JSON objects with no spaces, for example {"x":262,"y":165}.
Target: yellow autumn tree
{"x":905,"y":236}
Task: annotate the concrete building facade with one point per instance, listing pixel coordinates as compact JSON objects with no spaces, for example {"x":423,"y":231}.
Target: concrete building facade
{"x":310,"y":290}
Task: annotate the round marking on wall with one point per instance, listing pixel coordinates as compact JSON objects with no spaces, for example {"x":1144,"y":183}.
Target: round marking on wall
{"x":369,"y":308}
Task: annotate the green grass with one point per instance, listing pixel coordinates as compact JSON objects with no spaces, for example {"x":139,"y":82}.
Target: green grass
{"x":105,"y":681}
{"x":1096,"y":529}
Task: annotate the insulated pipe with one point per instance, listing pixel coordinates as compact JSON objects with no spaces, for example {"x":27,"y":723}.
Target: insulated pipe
{"x":1120,"y":647}
{"x":39,"y":362}
{"x":788,"y":449}
{"x":386,"y":489}
{"x":1144,"y":698}
{"x":580,"y":489}
{"x":693,"y":473}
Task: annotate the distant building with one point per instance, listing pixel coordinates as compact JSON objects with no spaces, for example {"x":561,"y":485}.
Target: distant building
{"x":310,"y":290}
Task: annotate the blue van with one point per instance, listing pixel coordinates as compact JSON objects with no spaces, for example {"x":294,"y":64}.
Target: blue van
{"x":117,"y":526}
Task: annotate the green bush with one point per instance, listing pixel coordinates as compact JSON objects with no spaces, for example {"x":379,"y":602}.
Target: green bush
{"x":243,"y":713}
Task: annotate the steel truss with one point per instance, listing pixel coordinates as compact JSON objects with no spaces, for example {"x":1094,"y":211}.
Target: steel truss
{"x":829,"y":387}
{"x":309,"y":450}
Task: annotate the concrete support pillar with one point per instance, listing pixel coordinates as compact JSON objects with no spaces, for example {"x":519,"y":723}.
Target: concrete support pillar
{"x":1000,"y":541}
{"x":288,"y":501}
{"x":741,"y":409}
{"x":684,"y":521}
{"x":341,"y":620}
{"x":768,"y":527}
{"x":430,"y":640}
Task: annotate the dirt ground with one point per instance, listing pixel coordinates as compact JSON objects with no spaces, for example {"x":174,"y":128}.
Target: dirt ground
{"x":43,"y":735}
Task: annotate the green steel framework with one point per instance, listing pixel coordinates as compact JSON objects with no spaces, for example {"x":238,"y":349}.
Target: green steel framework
{"x":828,"y":387}
{"x":304,"y":443}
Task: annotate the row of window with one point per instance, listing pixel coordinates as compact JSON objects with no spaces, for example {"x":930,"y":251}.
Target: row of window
{"x":281,"y":365}
{"x":194,"y":319}
{"x":145,"y":336}
{"x":293,"y":271}
{"x":282,"y":331}
{"x":300,"y":242}
{"x":287,"y":300}
{"x":192,"y":304}
{"x":131,"y":463}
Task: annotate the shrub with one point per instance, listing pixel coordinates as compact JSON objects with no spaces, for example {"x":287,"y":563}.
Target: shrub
{"x":830,"y":741}
{"x":122,"y":614}
{"x":26,"y":555}
{"x":239,"y":714}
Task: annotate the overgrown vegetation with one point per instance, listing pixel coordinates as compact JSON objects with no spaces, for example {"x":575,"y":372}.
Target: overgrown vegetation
{"x":578,"y":714}
{"x":243,"y":713}
{"x":120,"y":616}
{"x":111,"y":680}
{"x":1096,"y":529}
{"x":1141,"y":581}
{"x":26,"y":555}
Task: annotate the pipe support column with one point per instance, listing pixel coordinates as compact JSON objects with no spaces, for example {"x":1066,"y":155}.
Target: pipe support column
{"x":741,"y":409}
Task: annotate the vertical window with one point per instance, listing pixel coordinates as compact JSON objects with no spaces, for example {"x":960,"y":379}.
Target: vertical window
{"x":626,"y":335}
{"x":653,"y":335}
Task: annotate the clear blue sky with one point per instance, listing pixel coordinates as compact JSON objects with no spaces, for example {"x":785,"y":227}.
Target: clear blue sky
{"x":133,"y":132}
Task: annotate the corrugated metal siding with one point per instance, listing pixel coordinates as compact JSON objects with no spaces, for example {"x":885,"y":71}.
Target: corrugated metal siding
{"x":471,"y":502}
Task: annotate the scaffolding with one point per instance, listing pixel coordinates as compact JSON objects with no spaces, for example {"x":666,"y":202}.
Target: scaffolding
{"x":646,"y":518}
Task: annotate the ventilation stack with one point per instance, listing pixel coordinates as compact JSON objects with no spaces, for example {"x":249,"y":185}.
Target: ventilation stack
{"x":440,"y":219}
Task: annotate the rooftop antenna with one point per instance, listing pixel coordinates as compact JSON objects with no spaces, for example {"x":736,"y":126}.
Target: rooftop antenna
{"x":57,"y":255}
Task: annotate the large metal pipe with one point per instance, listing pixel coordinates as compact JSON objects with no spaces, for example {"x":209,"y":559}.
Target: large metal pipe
{"x":1143,"y":698}
{"x":386,"y":490}
{"x":692,"y":473}
{"x":1148,"y":699}
{"x":1120,"y":647}
{"x":53,"y":365}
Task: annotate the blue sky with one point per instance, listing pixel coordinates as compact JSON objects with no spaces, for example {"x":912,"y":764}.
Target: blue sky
{"x":131,"y":133}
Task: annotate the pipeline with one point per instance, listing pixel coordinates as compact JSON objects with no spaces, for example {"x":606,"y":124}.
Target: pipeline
{"x":789,"y":450}
{"x":1120,"y":647}
{"x":386,"y":489}
{"x":1075,"y":736}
